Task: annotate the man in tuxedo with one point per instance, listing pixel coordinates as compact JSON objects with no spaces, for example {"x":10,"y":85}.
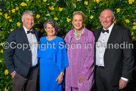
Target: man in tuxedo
{"x":21,"y":55}
{"x":114,"y":61}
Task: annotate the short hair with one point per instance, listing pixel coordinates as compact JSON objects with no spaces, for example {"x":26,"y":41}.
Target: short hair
{"x":53,"y":23}
{"x":108,"y":10}
{"x":78,"y":13}
{"x":27,"y":12}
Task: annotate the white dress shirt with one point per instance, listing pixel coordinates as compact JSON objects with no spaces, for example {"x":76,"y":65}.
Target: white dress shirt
{"x":101,"y":47}
{"x":33,"y":43}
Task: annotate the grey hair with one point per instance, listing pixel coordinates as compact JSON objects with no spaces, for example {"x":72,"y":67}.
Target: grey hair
{"x":78,"y":13}
{"x":108,"y":10}
{"x":53,"y":23}
{"x":27,"y":12}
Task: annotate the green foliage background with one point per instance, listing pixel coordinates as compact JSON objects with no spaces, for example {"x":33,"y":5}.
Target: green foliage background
{"x":61,"y":11}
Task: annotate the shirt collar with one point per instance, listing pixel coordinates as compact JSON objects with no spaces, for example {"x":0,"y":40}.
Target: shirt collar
{"x":26,"y":29}
{"x":110,"y":28}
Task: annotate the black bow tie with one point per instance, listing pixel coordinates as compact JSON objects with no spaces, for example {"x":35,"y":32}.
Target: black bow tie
{"x":103,"y":31}
{"x":30,"y":32}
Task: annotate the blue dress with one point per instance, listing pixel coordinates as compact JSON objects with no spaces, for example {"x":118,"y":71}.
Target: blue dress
{"x":52,"y":59}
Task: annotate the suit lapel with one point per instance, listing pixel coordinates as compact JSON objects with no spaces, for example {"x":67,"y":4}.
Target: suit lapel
{"x":24,"y":36}
{"x":98,"y":34}
{"x":112,"y":35}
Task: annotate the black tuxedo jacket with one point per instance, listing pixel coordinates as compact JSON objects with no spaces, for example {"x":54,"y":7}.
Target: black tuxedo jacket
{"x":118,"y":60}
{"x":16,"y":57}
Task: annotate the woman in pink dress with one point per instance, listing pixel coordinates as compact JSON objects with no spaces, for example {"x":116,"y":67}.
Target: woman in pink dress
{"x":80,"y":49}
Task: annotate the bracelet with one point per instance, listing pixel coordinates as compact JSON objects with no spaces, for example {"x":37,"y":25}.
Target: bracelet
{"x":62,"y":73}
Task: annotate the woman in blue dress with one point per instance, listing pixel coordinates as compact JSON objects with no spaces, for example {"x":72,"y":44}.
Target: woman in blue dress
{"x":52,"y":58}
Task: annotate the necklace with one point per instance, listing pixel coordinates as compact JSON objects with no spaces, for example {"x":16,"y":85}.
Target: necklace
{"x":77,"y":35}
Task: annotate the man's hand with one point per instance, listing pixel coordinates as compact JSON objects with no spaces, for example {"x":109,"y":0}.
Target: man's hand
{"x":122,"y":84}
{"x":13,"y":74}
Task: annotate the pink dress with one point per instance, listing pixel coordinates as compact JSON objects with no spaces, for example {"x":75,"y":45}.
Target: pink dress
{"x":81,"y":60}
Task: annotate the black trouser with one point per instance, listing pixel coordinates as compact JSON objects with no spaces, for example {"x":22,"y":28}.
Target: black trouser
{"x":103,"y":82}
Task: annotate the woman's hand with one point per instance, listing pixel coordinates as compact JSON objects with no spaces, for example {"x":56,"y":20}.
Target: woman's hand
{"x":60,"y":78}
{"x":81,"y":79}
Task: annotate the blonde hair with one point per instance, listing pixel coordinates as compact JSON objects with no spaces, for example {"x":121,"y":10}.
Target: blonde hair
{"x":78,"y":13}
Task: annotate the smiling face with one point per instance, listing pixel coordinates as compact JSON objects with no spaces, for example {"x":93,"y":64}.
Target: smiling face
{"x":50,"y":30}
{"x":106,"y":18}
{"x":28,"y":21}
{"x":78,"y":22}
